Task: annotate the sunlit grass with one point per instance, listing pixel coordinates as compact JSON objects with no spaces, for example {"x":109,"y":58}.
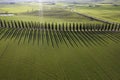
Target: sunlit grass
{"x":108,"y":13}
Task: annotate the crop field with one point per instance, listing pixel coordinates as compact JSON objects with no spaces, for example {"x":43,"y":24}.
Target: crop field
{"x":19,"y":7}
{"x":43,"y":13}
{"x":52,"y":42}
{"x":108,"y":12}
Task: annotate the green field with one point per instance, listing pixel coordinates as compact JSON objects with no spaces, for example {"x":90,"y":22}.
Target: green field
{"x":43,"y":13}
{"x":33,"y":62}
{"x":54,"y":42}
{"x":106,"y":12}
{"x":19,"y":7}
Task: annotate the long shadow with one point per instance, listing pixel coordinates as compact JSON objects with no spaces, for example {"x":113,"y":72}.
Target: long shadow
{"x":55,"y":35}
{"x":51,"y":36}
{"x":62,"y":34}
{"x":21,"y":36}
{"x":42,"y":30}
{"x":72,"y":34}
{"x":39,"y":36}
{"x":107,"y":35}
{"x":58,"y":34}
{"x":98,"y":37}
{"x":97,"y":40}
{"x":72,"y":38}
{"x":5,"y":33}
{"x":9,"y":34}
{"x":47,"y":35}
{"x":17,"y":34}
{"x":30,"y":35}
{"x":76,"y":37}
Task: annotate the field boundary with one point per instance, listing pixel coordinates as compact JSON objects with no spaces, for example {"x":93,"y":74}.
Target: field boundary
{"x":97,"y":19}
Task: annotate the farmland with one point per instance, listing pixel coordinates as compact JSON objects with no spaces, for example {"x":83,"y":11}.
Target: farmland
{"x":55,"y":42}
{"x":51,"y":14}
{"x":108,"y":12}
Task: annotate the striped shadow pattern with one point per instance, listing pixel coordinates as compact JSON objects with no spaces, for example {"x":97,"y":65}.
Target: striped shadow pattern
{"x":55,"y":34}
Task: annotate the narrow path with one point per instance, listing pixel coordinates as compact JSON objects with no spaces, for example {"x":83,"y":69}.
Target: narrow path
{"x":94,"y":18}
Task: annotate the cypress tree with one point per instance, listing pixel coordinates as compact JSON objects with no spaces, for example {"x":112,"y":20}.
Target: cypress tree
{"x":73,"y":26}
{"x":118,"y":27}
{"x":70,"y":27}
{"x":63,"y":27}
{"x":19,"y":24}
{"x":52,"y":27}
{"x":30,"y":26}
{"x":109,"y":27}
{"x":49,"y":27}
{"x":112,"y":27}
{"x":106,"y":27}
{"x":59,"y":27}
{"x":80,"y":27}
{"x":22,"y":23}
{"x":56,"y":28}
{"x":115,"y":27}
{"x":1,"y":23}
{"x":45,"y":26}
{"x":9,"y":26}
{"x":76,"y":26}
{"x":102,"y":27}
{"x":5,"y":25}
{"x":26,"y":25}
{"x":83,"y":26}
{"x":87,"y":27}
{"x":67,"y":26}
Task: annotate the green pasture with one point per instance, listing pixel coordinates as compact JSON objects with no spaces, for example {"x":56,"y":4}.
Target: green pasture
{"x":20,"y":7}
{"x":42,"y":13}
{"x":42,"y":62}
{"x":106,"y":12}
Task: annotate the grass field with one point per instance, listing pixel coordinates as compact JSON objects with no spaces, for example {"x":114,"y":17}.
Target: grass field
{"x":19,"y":7}
{"x":106,"y":12}
{"x":33,"y":62}
{"x":29,"y":51}
{"x":43,"y":13}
